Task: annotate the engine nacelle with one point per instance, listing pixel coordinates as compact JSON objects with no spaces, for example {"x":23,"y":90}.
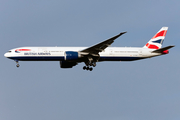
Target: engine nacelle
{"x":65,"y":64}
{"x":71,"y":55}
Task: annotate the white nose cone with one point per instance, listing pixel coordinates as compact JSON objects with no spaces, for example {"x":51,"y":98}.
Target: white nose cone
{"x":5,"y":55}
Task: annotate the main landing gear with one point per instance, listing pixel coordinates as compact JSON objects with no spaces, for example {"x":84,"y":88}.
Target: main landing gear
{"x":87,"y":68}
{"x":17,"y":63}
{"x":89,"y":64}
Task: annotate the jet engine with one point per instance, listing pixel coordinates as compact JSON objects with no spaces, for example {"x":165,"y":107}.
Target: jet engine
{"x":71,"y":55}
{"x":65,"y":64}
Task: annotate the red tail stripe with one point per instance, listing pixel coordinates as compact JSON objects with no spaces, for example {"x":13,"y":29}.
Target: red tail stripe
{"x":162,"y":33}
{"x":150,"y":46}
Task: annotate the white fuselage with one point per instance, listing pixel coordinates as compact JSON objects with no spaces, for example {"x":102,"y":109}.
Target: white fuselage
{"x":58,"y":53}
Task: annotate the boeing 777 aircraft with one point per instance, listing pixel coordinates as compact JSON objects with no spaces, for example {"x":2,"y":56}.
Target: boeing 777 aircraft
{"x":71,"y":56}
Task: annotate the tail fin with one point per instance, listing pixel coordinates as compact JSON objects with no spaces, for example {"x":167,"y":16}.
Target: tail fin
{"x":157,"y":40}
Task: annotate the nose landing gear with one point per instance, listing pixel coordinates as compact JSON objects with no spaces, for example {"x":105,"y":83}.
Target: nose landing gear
{"x":17,"y":63}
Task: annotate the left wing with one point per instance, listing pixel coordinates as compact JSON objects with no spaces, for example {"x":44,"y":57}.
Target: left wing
{"x":101,"y":46}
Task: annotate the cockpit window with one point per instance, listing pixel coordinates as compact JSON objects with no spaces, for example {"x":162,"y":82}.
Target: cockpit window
{"x":9,"y":51}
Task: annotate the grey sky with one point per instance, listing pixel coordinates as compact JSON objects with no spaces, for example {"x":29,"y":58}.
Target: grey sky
{"x":146,"y":89}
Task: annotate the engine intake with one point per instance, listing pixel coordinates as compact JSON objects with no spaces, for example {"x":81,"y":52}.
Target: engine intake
{"x":71,"y":55}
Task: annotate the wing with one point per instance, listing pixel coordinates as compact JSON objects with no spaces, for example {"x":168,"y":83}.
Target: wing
{"x":101,"y":46}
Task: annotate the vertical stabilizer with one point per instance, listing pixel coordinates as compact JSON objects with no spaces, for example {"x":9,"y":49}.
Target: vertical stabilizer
{"x":157,"y":40}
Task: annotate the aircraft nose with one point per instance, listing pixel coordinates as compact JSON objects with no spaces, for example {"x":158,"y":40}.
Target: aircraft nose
{"x":5,"y":55}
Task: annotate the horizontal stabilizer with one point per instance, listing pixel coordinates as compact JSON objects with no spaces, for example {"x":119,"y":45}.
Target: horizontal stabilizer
{"x":162,"y":49}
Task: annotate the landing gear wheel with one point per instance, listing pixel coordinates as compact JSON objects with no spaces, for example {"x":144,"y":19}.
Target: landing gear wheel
{"x":84,"y":67}
{"x":17,"y":65}
{"x":87,"y":68}
{"x":90,"y":69}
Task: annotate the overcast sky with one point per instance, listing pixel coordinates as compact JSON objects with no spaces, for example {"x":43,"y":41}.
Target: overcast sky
{"x":141,"y":90}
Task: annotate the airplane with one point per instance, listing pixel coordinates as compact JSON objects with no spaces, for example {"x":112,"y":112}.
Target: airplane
{"x":71,"y":56}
